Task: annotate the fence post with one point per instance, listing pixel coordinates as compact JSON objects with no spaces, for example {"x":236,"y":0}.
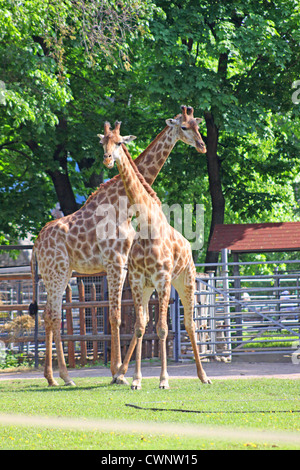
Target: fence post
{"x":277,"y":285}
{"x":69,"y":319}
{"x":201,"y":315}
{"x":36,"y":320}
{"x":83,"y":359}
{"x":105,"y":318}
{"x":94,"y":323}
{"x":225,"y":271}
{"x":237,"y":307}
{"x":212,"y":311}
{"x":177,"y":338}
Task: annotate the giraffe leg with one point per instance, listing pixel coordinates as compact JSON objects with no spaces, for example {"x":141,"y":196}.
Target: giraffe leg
{"x":52,"y":326}
{"x":55,"y":280}
{"x":140,"y":326}
{"x":48,"y":370}
{"x":115,"y":280}
{"x":63,"y":372}
{"x":185,"y":286}
{"x":142,"y":318}
{"x":119,"y":376}
{"x":162,"y":332}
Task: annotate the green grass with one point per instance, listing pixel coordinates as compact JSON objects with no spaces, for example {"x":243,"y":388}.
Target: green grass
{"x":269,"y":339}
{"x":232,"y":404}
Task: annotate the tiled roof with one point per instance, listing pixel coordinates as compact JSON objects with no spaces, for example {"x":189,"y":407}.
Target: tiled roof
{"x":263,"y":237}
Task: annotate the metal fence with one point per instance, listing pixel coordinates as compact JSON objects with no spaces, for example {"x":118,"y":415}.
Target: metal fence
{"x":240,"y":315}
{"x":236,"y":314}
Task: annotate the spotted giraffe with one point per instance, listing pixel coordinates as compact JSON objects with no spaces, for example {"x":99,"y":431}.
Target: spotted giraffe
{"x":72,"y":243}
{"x":160,"y":257}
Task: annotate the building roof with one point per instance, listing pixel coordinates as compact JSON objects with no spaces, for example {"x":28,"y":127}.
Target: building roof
{"x":247,"y":238}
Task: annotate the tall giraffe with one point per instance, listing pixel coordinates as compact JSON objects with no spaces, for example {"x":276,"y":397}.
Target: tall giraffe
{"x":72,"y":243}
{"x":159,"y":256}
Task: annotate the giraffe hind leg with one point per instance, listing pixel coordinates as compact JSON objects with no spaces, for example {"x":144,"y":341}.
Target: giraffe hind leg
{"x":55,"y":281}
{"x":142,"y":317}
{"x":185,"y":286}
{"x":52,"y":319}
{"x":48,"y":369}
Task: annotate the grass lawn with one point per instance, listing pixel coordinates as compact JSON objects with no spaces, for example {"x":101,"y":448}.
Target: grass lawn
{"x":237,"y":407}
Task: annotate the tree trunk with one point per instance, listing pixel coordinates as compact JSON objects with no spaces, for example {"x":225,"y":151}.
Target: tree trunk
{"x":60,"y":177}
{"x":61,"y":181}
{"x":64,"y":191}
{"x":215,"y":186}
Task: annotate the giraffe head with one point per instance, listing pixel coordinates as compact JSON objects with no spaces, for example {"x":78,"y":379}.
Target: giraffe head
{"x":186,"y":127}
{"x":112,"y":143}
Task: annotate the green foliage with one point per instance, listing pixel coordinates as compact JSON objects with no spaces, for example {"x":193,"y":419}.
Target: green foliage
{"x":13,"y":361}
{"x":237,"y":62}
{"x":54,"y":75}
{"x":69,"y":66}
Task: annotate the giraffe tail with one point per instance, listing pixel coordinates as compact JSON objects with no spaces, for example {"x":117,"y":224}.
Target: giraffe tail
{"x":190,"y":273}
{"x":33,"y":307}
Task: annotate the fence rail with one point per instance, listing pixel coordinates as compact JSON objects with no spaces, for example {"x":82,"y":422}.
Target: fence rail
{"x":242,"y":314}
{"x":236,"y":314}
{"x":85,"y":324}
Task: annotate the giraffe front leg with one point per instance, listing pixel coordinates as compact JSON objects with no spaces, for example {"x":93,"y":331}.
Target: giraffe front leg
{"x":115,"y":323}
{"x":115,"y":361}
{"x":162,"y":332}
{"x":139,"y":334}
{"x":116,"y":275}
{"x":48,"y":370}
{"x":141,"y":301}
{"x":63,"y":372}
{"x":136,"y":342}
{"x":119,"y":376}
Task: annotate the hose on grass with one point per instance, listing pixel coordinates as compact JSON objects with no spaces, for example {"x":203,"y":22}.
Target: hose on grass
{"x":182,"y":410}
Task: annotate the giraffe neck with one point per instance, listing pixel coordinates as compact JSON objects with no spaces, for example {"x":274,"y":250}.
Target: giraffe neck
{"x":138,"y":191}
{"x":151,"y":160}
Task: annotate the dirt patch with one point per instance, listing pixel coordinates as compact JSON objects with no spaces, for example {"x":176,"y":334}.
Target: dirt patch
{"x":214,"y":370}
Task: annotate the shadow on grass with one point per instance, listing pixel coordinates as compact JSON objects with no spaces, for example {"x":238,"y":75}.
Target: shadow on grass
{"x":41,"y":388}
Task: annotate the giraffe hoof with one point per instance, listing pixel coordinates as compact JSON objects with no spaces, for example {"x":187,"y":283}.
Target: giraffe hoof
{"x":207,"y":381}
{"x":164,"y":386}
{"x":70,"y":384}
{"x":136,"y":385}
{"x":53,"y":384}
{"x":119,"y":381}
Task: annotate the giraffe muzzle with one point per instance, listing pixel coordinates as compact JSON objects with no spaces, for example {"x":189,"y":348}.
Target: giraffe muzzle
{"x":108,"y":161}
{"x":201,"y":147}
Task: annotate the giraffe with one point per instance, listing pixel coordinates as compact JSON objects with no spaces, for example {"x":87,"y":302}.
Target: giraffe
{"x":159,"y":256}
{"x":71,"y":243}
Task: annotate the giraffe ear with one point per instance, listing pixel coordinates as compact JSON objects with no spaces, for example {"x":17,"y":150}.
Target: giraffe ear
{"x":198,"y":120}
{"x":101,"y":136}
{"x":171,"y":122}
{"x":128,"y":138}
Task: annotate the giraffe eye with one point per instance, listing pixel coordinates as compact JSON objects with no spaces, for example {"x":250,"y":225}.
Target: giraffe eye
{"x":119,"y":143}
{"x":184,"y":128}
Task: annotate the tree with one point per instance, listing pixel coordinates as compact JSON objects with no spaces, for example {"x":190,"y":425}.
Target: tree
{"x":235,"y":62}
{"x":57,"y":64}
